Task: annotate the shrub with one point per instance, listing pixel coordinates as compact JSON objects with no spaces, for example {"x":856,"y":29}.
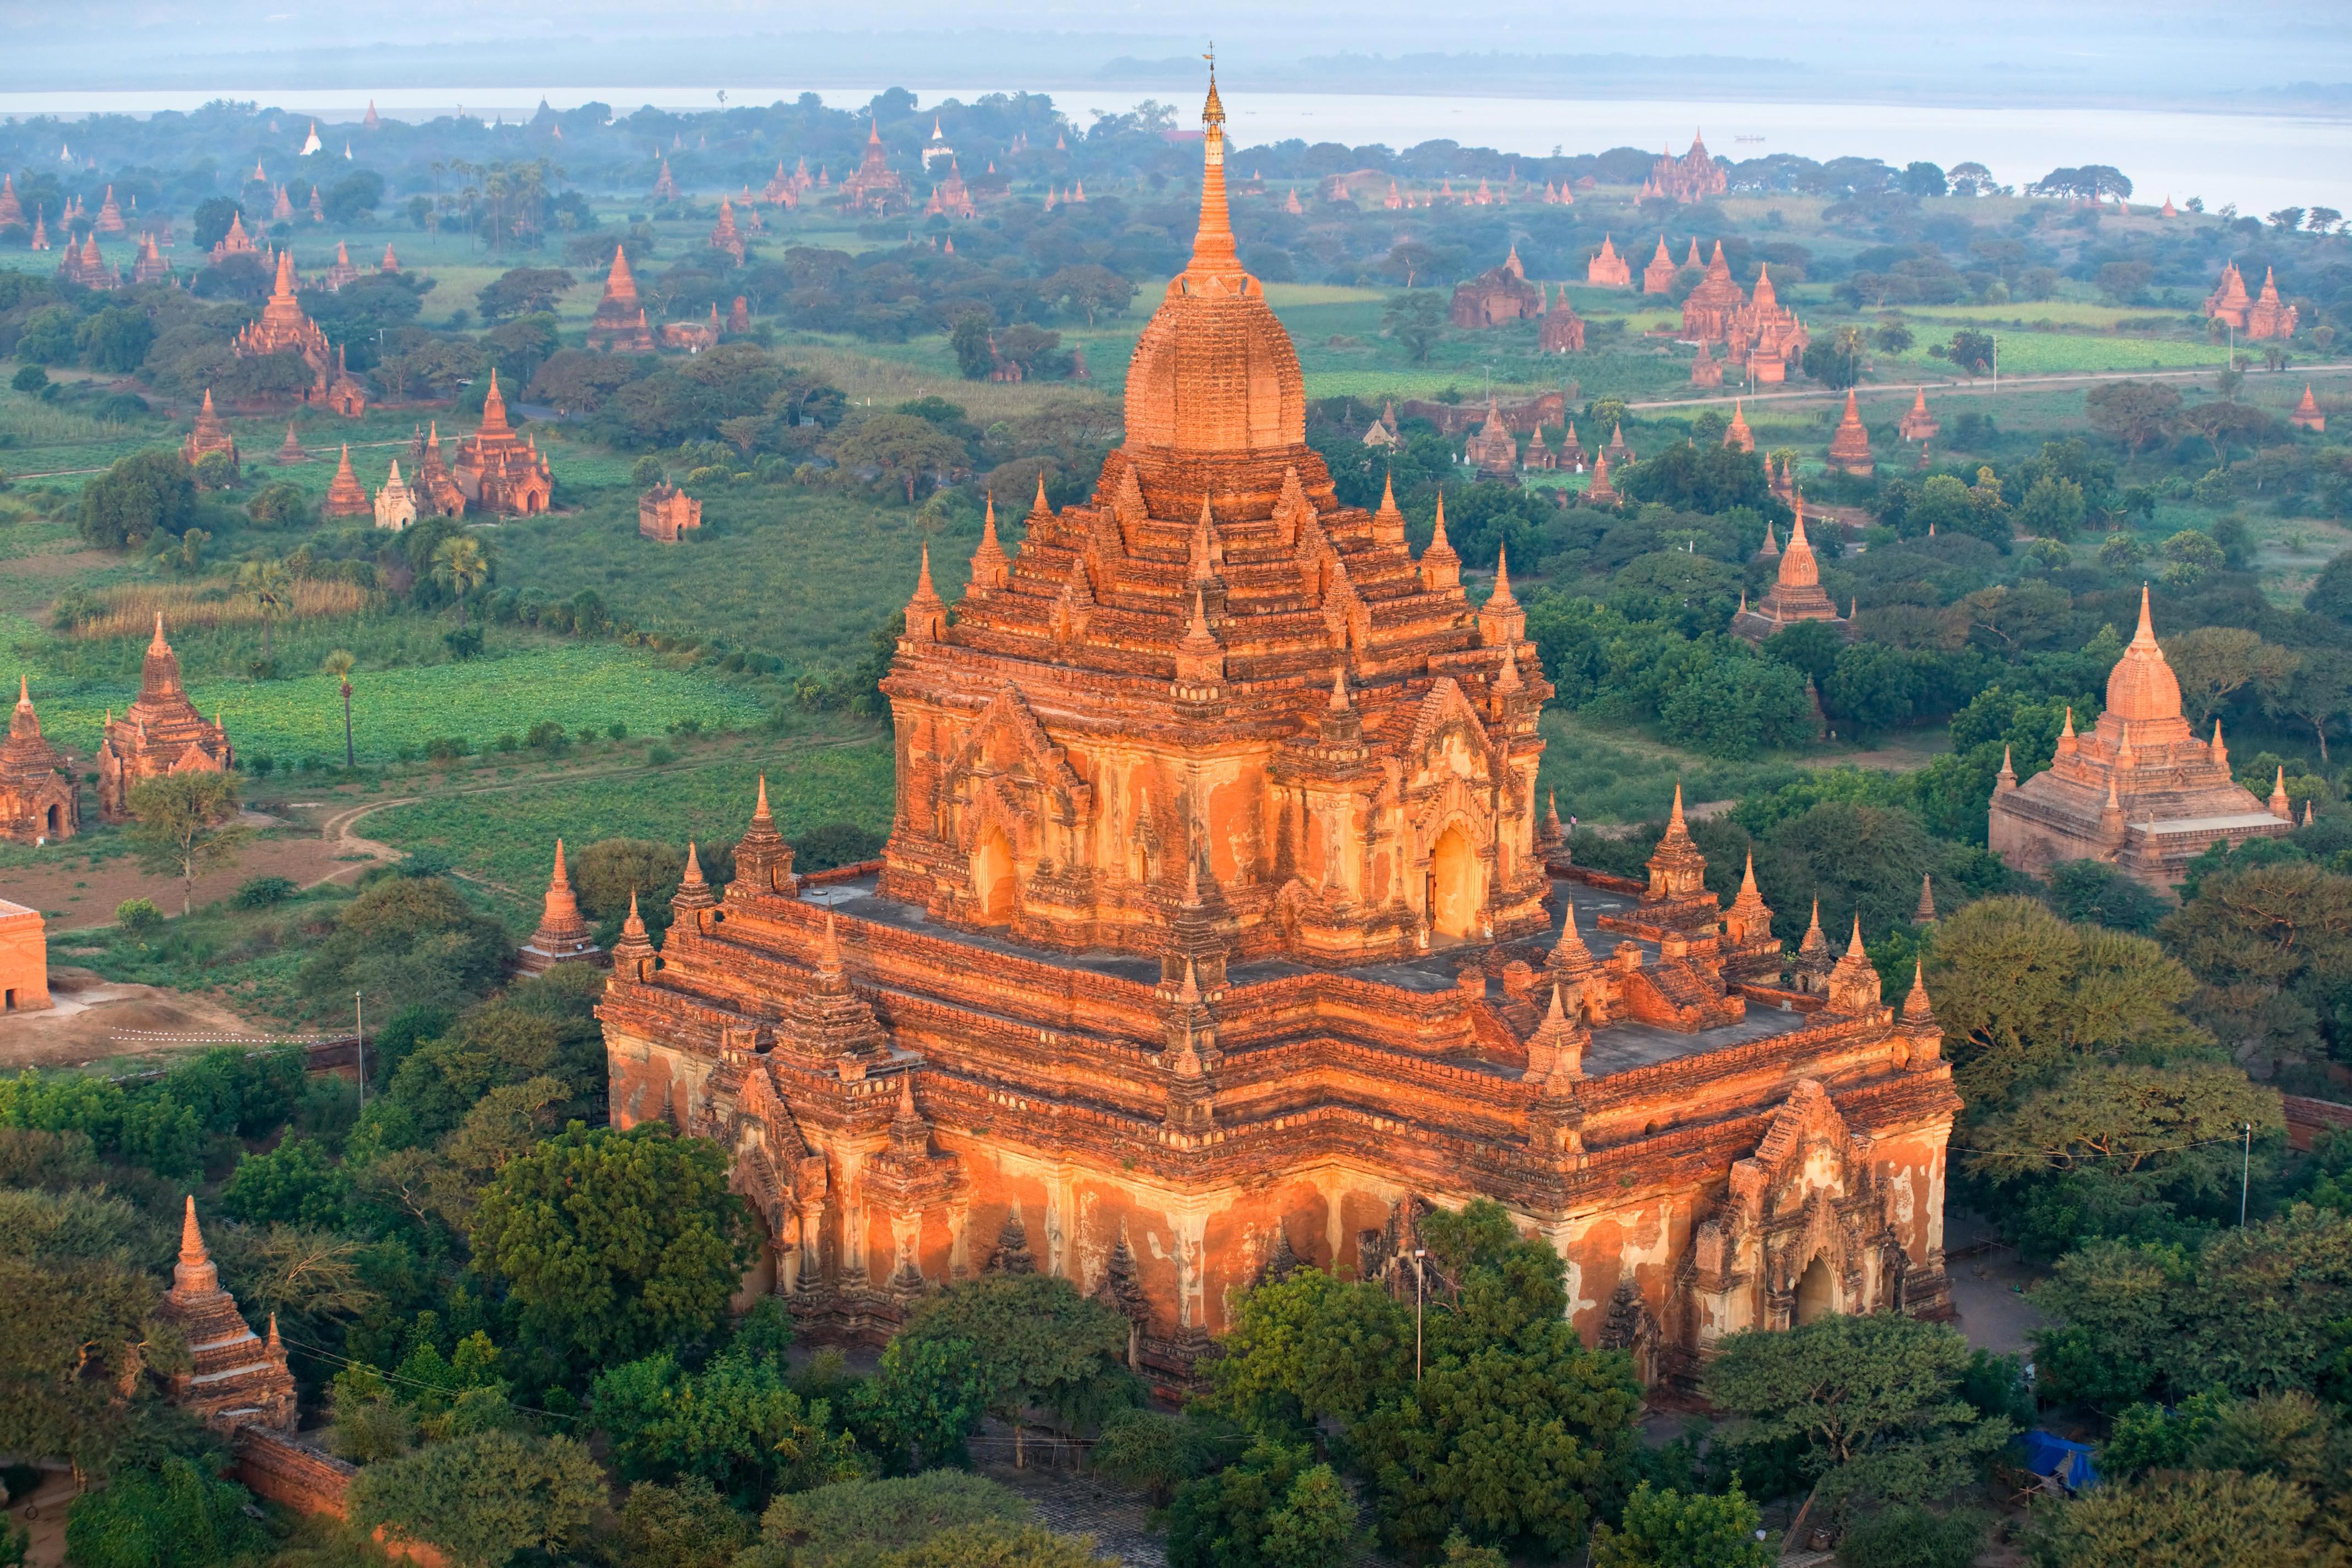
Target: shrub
{"x":261,"y":892}
{"x":174,"y":1517}
{"x":29,"y":378}
{"x":1909,"y":1536}
{"x":138,"y":916}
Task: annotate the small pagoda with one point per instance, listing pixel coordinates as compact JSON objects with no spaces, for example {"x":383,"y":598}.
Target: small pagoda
{"x":619,"y":325}
{"x":210,"y":436}
{"x":1494,"y":451}
{"x":1737,"y":434}
{"x":563,"y":936}
{"x":1850,"y":448}
{"x":38,"y":802}
{"x":346,"y":497}
{"x":725,"y":237}
{"x":234,"y":1377}
{"x":665,"y":513}
{"x":1562,"y":331}
{"x":1918,"y":425}
{"x":2306,"y":415}
{"x":1658,"y":277}
{"x":1796,"y":593}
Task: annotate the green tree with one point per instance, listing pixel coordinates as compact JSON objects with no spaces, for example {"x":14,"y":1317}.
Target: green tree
{"x":172,"y":1517}
{"x":849,"y":1525}
{"x":484,"y":1497}
{"x":1416,"y":319}
{"x":2271,"y":947}
{"x":1906,"y":1536}
{"x":1972,"y":351}
{"x":2214,"y":663}
{"x":340,"y":664}
{"x":1273,"y":1508}
{"x":270,"y":586}
{"x":141,"y":494}
{"x":926,"y":1397}
{"x":180,"y":827}
{"x":116,"y":339}
{"x":80,"y":1333}
{"x":1040,"y":1347}
{"x":898,"y":450}
{"x":2135,"y":414}
{"x":2022,"y":994}
{"x":1874,"y":1400}
{"x":409,"y":940}
{"x":1681,"y":1530}
{"x":616,"y":1242}
{"x":2189,"y":1519}
{"x":969,"y":342}
{"x":1086,"y":288}
{"x":2052,"y":507}
{"x":684,"y":1526}
{"x":461,"y":565}
{"x":1308,"y":1347}
{"x":610,"y":869}
{"x":998,"y":1546}
{"x":2330,"y":593}
{"x":733,"y":1426}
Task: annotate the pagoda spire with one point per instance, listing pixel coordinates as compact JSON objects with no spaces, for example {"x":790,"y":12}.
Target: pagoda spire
{"x":990,"y":568}
{"x":1214,"y":253}
{"x":926,"y":612}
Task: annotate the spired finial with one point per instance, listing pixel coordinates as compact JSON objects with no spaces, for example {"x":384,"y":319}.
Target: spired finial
{"x":192,"y":1238}
{"x":1854,"y":948}
{"x":2147,"y":632}
{"x":1339,"y":688}
{"x":1675,"y":820}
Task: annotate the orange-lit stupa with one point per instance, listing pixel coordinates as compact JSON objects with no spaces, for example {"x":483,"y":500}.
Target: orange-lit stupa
{"x":1796,"y":593}
{"x":1216,"y":830}
{"x":2138,"y":790}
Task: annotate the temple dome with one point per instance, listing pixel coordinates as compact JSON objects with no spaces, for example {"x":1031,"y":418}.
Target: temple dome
{"x":2142,"y":685}
{"x":1799,"y":569}
{"x":1214,"y":373}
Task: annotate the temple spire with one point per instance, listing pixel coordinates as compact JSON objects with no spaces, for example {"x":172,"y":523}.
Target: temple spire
{"x":1213,"y":255}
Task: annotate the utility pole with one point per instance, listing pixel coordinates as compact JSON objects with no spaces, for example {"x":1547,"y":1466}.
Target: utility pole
{"x":359,"y":1020}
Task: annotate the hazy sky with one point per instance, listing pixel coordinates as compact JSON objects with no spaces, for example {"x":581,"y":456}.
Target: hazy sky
{"x":1982,"y":51}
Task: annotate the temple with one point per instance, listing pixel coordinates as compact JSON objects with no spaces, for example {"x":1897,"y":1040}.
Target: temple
{"x":1918,"y":425}
{"x":2306,"y":415}
{"x":346,"y":497}
{"x":395,"y":504}
{"x":725,"y":237}
{"x":1693,"y":177}
{"x":667,"y":514}
{"x":1216,"y":829}
{"x":234,"y":1377}
{"x":1494,"y":451}
{"x":1497,"y":295}
{"x":2138,"y":790}
{"x":1562,"y":331}
{"x":619,"y":324}
{"x":2267,"y":317}
{"x":1607,"y":270}
{"x":283,"y":328}
{"x":874,"y":186}
{"x":38,"y":802}
{"x":1766,"y":335}
{"x":952,"y":198}
{"x":499,"y":471}
{"x":161,"y":732}
{"x":208,"y":436}
{"x":1658,"y":277}
{"x":1709,"y":309}
{"x":1796,"y":593}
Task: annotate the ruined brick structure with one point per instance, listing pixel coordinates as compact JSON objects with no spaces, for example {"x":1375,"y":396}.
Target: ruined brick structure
{"x":666,"y":512}
{"x":161,"y":732}
{"x":38,"y":800}
{"x":2138,"y":790}
{"x":1216,"y":826}
{"x":1493,"y":451}
{"x":1497,"y":295}
{"x":1562,"y":331}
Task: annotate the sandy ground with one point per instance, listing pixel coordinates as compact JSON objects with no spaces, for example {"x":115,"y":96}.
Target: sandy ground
{"x":91,"y":1012}
{"x":1986,"y":1288}
{"x":74,"y":893}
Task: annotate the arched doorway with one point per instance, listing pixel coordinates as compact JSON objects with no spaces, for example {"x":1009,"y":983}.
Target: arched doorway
{"x":1816,"y":1292}
{"x":57,"y":819}
{"x":991,"y":877}
{"x":1454,"y":892}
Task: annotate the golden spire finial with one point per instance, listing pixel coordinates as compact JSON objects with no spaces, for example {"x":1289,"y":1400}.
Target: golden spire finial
{"x":1212,"y":247}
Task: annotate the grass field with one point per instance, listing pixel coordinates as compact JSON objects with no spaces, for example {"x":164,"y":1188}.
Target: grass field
{"x":2064,"y":353}
{"x":506,"y":836}
{"x":1608,"y":775}
{"x":584,"y":685}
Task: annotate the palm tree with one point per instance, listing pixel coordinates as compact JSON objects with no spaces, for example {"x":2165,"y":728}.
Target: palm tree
{"x":461,"y":564}
{"x":339,"y":663}
{"x":271,"y":587}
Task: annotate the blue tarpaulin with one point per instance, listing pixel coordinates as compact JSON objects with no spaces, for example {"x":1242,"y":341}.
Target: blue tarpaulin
{"x":2046,"y":1454}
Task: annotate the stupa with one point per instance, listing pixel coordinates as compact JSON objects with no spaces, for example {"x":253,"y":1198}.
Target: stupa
{"x":1918,"y":425}
{"x":1562,"y":331}
{"x":346,"y":497}
{"x":1796,"y":593}
{"x":209,"y":436}
{"x":619,"y":325}
{"x":233,"y":1378}
{"x":2138,"y":791}
{"x":563,"y":936}
{"x":1658,"y":277}
{"x":1850,"y":447}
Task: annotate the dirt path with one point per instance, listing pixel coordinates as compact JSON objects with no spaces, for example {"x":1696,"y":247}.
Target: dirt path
{"x":90,"y":1012}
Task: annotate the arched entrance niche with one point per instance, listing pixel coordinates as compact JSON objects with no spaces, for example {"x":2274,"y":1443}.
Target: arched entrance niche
{"x":991,"y":877}
{"x":1456,"y":890}
{"x":1816,"y":1292}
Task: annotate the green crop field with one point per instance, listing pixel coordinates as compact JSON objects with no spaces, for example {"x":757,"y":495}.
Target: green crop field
{"x":2065,"y":353}
{"x":505,"y":835}
{"x":579,"y":686}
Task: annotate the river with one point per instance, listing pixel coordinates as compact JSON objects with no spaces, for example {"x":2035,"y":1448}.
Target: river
{"x":2260,"y":161}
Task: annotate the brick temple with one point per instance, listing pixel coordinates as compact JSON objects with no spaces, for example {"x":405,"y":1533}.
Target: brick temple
{"x":1220,"y":928}
{"x":38,"y":800}
{"x":161,"y":732}
{"x":1796,"y":593}
{"x":2139,"y":790}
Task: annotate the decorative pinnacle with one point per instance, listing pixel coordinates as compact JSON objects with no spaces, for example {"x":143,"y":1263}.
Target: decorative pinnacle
{"x":1854,"y":948}
{"x":559,"y":879}
{"x":1339,"y":688}
{"x":192,"y":1238}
